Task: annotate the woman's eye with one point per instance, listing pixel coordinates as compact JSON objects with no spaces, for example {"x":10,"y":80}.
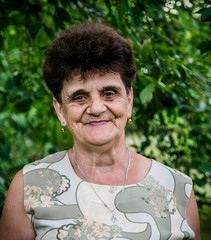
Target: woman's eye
{"x":79,"y":98}
{"x":109,"y":94}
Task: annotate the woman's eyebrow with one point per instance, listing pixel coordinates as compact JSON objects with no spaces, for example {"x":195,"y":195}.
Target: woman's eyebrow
{"x":75,"y":93}
{"x":111,"y":87}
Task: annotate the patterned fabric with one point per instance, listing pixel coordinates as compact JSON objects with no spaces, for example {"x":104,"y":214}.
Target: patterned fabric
{"x":62,"y":206}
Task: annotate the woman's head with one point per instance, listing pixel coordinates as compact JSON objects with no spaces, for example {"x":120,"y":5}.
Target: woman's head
{"x":88,"y":49}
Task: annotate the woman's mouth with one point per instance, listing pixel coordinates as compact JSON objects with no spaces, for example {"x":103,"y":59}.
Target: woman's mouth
{"x":98,"y":123}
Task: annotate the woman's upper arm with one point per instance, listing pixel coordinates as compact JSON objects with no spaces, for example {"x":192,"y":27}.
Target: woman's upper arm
{"x":15,"y":224}
{"x":193,"y":216}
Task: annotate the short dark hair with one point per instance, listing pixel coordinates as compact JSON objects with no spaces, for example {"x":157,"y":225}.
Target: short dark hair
{"x":88,"y":48}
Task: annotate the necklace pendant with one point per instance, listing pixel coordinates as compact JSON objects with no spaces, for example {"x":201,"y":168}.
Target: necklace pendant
{"x":114,"y":219}
{"x":112,"y":189}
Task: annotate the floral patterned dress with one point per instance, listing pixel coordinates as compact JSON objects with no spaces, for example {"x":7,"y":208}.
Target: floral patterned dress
{"x":63,"y":206}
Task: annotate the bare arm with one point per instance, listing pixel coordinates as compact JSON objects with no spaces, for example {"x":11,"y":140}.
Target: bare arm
{"x":15,"y":224}
{"x":193,"y":216}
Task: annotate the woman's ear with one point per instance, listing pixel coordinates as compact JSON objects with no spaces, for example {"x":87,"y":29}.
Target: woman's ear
{"x":59,"y":112}
{"x":130,"y":102}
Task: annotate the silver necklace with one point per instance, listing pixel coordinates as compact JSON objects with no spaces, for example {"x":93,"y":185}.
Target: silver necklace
{"x":113,"y":217}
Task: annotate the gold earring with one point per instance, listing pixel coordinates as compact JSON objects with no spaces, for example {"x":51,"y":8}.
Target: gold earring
{"x":63,"y":129}
{"x":129,"y":120}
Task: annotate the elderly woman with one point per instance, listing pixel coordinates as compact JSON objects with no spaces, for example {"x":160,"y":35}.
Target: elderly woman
{"x":99,"y":189}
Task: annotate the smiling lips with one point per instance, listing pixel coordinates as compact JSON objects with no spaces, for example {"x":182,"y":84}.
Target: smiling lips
{"x":98,"y":123}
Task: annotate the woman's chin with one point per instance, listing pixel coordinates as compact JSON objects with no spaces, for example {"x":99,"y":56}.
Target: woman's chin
{"x":99,"y":141}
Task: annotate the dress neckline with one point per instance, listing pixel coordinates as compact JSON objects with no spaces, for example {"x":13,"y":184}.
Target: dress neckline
{"x":105,"y":185}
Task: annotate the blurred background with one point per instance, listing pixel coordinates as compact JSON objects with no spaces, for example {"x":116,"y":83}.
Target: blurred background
{"x":172,"y":105}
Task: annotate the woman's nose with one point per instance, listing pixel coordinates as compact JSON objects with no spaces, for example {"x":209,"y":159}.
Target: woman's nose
{"x":96,"y":106}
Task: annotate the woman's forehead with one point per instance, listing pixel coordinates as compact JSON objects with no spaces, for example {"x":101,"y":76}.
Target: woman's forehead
{"x":97,"y":81}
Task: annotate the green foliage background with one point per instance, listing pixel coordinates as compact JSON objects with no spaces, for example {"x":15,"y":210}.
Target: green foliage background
{"x":172,"y":105}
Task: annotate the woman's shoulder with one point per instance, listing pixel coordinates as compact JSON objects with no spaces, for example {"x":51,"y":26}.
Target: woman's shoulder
{"x":45,"y":162}
{"x":174,"y":180}
{"x":144,"y":167}
{"x":163,"y":168}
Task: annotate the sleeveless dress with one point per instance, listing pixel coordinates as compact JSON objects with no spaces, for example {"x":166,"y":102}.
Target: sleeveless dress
{"x":63,"y":206}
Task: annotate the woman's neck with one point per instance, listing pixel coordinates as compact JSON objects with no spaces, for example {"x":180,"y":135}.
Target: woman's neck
{"x":101,"y":165}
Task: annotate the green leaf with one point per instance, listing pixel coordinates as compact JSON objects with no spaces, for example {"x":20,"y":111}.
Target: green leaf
{"x":50,"y":32}
{"x":164,"y":87}
{"x":135,"y":16}
{"x":64,"y":2}
{"x":63,"y":14}
{"x":108,"y":4}
{"x":35,"y":30}
{"x":205,"y":168}
{"x":126,"y":5}
{"x":147,"y":93}
{"x":200,"y":11}
{"x":205,"y":46}
{"x":2,"y":89}
{"x":53,"y":2}
{"x":206,"y":16}
{"x":23,"y":105}
{"x":121,"y":10}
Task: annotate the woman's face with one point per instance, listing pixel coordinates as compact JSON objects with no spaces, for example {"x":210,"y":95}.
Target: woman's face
{"x":96,"y":109}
